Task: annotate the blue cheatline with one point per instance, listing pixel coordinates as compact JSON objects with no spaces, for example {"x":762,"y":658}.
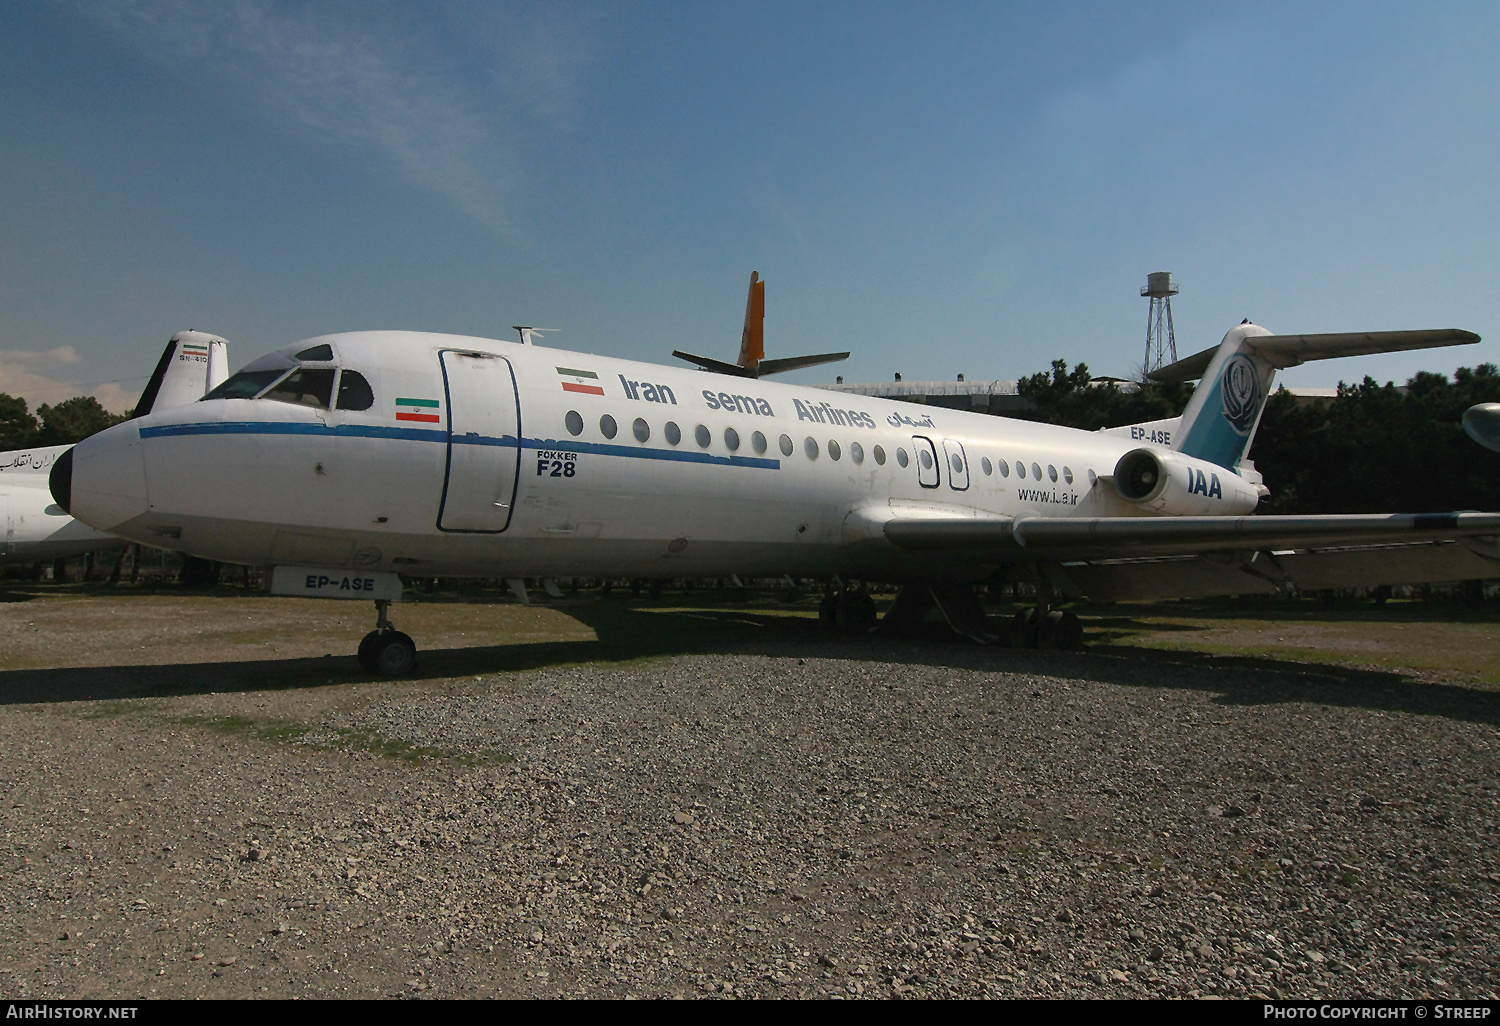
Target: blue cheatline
{"x":441,"y":435}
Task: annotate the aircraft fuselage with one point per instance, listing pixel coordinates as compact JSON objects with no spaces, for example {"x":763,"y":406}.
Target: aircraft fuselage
{"x":486,"y":458}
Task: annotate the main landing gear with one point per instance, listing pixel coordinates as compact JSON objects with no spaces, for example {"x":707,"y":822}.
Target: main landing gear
{"x":959,"y":608}
{"x":385,"y":651}
{"x":847,"y":609}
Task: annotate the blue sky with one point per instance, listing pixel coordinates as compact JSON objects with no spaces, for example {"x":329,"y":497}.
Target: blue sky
{"x":940,"y":188}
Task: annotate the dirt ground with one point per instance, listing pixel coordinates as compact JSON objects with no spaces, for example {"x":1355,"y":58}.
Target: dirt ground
{"x":202,"y":795}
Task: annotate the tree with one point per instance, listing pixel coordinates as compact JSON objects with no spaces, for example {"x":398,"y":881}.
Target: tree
{"x":18,"y":428}
{"x":1074,"y":400}
{"x":1380,"y":449}
{"x":73,"y":420}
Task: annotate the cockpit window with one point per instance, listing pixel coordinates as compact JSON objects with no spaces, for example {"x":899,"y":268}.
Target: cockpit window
{"x":317,"y":354}
{"x":246,"y":384}
{"x":305,"y":387}
{"x":354,"y":391}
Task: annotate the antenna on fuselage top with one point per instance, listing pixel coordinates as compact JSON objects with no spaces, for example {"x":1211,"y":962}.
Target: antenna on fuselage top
{"x":527,"y":331}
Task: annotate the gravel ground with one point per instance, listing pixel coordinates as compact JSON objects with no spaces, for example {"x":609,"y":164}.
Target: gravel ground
{"x":788,"y":817}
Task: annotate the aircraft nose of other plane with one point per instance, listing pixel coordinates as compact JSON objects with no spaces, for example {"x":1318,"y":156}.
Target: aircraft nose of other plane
{"x":102,"y":480}
{"x":60,"y":481}
{"x":1482,"y":422}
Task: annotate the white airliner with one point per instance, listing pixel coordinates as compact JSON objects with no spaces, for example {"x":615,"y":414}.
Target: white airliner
{"x":346,"y":459}
{"x":37,"y":529}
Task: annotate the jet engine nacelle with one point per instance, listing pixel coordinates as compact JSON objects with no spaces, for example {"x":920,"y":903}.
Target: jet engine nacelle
{"x":1177,"y":485}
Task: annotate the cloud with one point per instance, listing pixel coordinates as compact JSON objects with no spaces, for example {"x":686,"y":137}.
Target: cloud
{"x":39,"y":377}
{"x":384,"y":79}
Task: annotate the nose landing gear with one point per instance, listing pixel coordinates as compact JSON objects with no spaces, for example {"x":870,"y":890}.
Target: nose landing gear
{"x":385,"y":651}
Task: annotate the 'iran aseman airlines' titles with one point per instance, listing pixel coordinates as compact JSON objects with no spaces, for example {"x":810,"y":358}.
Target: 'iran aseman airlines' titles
{"x":347,"y":459}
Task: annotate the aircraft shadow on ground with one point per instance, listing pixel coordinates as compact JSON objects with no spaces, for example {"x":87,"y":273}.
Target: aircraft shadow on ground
{"x":625,"y":633}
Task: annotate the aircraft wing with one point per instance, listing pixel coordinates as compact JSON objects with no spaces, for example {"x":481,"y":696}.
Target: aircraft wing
{"x":1114,"y":558}
{"x":1283,"y":351}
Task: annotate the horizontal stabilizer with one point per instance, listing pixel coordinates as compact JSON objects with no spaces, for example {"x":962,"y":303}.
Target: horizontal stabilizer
{"x":1282,"y":351}
{"x":797,"y":362}
{"x":708,"y":363}
{"x":765,"y":367}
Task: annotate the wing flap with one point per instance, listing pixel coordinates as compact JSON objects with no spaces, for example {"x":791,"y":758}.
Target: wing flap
{"x":1104,"y":537}
{"x":1260,"y":573}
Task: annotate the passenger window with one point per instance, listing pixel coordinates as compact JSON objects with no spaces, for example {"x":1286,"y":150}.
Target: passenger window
{"x":857,"y":451}
{"x":673,"y":433}
{"x":701,"y":433}
{"x":354,"y":391}
{"x":317,"y":354}
{"x":1036,"y":471}
{"x":1093,"y":479}
{"x":810,"y":447}
{"x":926,"y":458}
{"x":1020,"y":470}
{"x":901,"y":457}
{"x":731,"y":439}
{"x":607,"y":426}
{"x":958,"y":464}
{"x":1052,"y":473}
{"x":641,"y":429}
{"x":1004,"y":469}
{"x":786,"y":445}
{"x":305,"y":387}
{"x":986,"y":466}
{"x":880,"y":455}
{"x":1068,"y":474}
{"x":758,"y":442}
{"x":246,"y":384}
{"x":574,"y":423}
{"x":833,"y":450}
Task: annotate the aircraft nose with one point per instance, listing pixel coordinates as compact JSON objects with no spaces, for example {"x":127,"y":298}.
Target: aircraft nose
{"x":60,"y":481}
{"x":102,"y":480}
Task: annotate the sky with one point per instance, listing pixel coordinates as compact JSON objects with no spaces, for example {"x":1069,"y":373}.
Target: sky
{"x":940,"y":188}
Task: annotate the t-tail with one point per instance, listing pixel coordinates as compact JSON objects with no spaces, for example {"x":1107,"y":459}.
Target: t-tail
{"x":1236,"y":375}
{"x":752,"y":362}
{"x":193,"y":364}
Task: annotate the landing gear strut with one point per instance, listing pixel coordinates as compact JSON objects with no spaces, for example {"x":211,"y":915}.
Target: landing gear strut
{"x":385,"y":651}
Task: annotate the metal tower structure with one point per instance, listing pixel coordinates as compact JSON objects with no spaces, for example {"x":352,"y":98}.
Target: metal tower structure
{"x":1161,"y":340}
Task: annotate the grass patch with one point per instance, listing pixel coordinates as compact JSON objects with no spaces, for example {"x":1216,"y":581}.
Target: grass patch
{"x":245,"y":726}
{"x":111,"y":708}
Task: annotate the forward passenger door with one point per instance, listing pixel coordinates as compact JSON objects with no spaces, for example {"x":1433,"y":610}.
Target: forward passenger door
{"x":484,"y":442}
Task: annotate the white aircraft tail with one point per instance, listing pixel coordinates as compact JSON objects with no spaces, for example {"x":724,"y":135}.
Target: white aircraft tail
{"x":1236,"y":375}
{"x":193,"y":364}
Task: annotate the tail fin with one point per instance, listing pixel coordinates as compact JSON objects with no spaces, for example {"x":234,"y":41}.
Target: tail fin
{"x":192,"y":365}
{"x":753,"y":338}
{"x":1220,"y":420}
{"x":752,"y":362}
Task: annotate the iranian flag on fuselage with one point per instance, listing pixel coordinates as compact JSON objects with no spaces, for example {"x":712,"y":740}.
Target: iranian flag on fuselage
{"x":576,"y":380}
{"x":422,"y":410}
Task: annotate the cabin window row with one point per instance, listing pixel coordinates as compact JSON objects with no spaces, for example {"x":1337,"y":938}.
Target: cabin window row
{"x":1020,"y":467}
{"x":609,"y":428}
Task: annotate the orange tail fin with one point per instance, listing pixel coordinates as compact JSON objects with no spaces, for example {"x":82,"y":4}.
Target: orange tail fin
{"x":753,"y":341}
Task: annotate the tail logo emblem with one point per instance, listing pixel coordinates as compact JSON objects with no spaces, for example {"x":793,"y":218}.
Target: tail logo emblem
{"x":1241,"y":391}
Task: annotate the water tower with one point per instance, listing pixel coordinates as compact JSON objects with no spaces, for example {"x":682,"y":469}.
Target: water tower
{"x":1161,"y":340}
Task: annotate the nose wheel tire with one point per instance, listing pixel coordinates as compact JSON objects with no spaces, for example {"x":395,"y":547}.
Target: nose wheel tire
{"x":387,"y":653}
